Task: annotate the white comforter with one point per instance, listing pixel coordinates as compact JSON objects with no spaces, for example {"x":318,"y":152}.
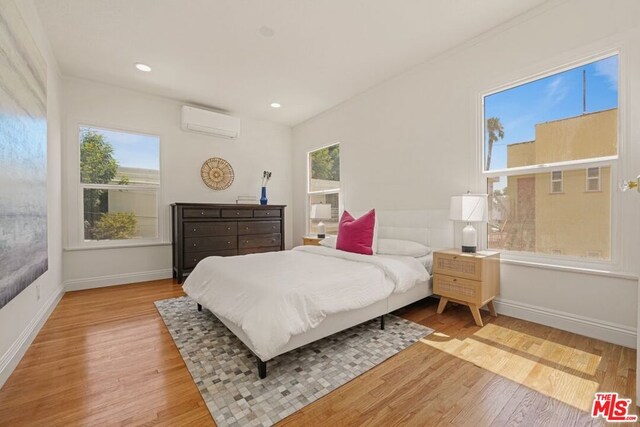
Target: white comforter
{"x":273,"y":296}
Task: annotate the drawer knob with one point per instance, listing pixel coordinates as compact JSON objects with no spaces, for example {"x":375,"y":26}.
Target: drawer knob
{"x":195,"y":244}
{"x":246,"y":241}
{"x":268,"y":213}
{"x":273,"y":228}
{"x":455,"y":280}
{"x":195,"y":259}
{"x":201,"y":212}
{"x":455,"y":257}
{"x":228,"y":243}
{"x":228,"y":228}
{"x":237,"y":213}
{"x":272,"y":240}
{"x":246,"y":228}
{"x":195,"y":229}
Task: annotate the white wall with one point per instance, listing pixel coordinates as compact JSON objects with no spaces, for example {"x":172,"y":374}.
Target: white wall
{"x":413,"y":141}
{"x":22,"y":317}
{"x":261,"y":146}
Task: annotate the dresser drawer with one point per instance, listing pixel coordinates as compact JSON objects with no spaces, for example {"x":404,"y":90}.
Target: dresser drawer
{"x":258,"y":227}
{"x":201,"y":213}
{"x":266,"y":213}
{"x":202,"y":229}
{"x":456,"y":288}
{"x":457,"y":265}
{"x":197,"y":244}
{"x":259,"y":240}
{"x":258,"y":250}
{"x":193,"y":258}
{"x":236,"y":213}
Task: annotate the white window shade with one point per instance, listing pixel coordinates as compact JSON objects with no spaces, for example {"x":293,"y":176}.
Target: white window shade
{"x":468,"y":208}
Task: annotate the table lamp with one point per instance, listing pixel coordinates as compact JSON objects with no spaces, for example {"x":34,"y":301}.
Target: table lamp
{"x":321,"y":211}
{"x":469,"y":208}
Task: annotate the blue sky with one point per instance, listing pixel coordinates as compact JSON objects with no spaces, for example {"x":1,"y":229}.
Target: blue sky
{"x":555,"y":97}
{"x":132,"y":149}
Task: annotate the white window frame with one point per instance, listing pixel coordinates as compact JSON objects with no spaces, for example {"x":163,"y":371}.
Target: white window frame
{"x":613,"y":162}
{"x":593,"y":178}
{"x":310,"y":193}
{"x":79,"y":242}
{"x":553,"y":181}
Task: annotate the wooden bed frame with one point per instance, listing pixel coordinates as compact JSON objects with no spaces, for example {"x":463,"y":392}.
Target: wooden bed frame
{"x":431,"y":228}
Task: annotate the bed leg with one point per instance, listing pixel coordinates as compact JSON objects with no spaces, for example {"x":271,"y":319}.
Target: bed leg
{"x":262,"y":368}
{"x":382,"y":322}
{"x":199,"y":307}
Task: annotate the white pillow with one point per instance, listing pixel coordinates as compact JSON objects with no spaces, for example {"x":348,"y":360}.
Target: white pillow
{"x":402,"y":247}
{"x":329,"y":242}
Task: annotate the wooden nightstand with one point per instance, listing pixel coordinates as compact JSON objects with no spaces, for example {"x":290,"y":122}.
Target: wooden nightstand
{"x":311,"y":240}
{"x":465,"y":278}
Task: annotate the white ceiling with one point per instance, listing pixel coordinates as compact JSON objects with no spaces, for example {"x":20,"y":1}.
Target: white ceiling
{"x":212,"y":52}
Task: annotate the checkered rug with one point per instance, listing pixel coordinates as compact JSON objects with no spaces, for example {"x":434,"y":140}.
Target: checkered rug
{"x":225,"y":370}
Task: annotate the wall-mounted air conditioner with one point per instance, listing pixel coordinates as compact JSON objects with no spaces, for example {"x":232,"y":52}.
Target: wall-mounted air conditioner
{"x":210,"y":123}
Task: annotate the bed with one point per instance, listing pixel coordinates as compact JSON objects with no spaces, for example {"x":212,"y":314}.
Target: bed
{"x":288,"y":299}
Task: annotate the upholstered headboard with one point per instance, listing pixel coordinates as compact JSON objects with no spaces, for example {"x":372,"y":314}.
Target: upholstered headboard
{"x":430,"y":227}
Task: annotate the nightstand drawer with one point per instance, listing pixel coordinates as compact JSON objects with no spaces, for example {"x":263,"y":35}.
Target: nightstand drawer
{"x":457,"y":288}
{"x":466,"y":267}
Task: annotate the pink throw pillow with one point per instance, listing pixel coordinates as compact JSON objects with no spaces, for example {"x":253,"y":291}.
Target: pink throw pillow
{"x":356,"y":235}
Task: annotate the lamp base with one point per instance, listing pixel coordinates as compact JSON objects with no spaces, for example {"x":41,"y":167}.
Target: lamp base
{"x":321,"y":236}
{"x":469,"y":249}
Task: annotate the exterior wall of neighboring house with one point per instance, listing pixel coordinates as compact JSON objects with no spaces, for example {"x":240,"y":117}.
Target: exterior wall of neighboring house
{"x":143,"y":203}
{"x":544,"y":220}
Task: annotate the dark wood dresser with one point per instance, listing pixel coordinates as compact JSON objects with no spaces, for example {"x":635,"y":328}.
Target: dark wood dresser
{"x":201,"y":230}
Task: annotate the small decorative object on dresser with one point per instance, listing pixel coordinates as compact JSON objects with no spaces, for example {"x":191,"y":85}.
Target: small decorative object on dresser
{"x":464,"y":278}
{"x":201,"y":230}
{"x":266,"y":176}
{"x":311,"y":240}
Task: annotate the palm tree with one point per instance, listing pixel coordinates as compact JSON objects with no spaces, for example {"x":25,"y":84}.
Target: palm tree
{"x":496,"y":132}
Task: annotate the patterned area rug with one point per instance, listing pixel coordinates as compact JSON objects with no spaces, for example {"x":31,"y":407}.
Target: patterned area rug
{"x":226,"y":374}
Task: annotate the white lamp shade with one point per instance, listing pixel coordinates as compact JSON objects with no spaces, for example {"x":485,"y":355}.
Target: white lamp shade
{"x":321,"y":211}
{"x":468,"y":208}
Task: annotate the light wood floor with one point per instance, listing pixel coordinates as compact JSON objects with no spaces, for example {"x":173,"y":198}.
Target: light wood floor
{"x":104,"y":357}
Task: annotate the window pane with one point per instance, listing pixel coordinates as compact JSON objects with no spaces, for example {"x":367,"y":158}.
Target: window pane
{"x":593,"y":172}
{"x":114,"y":157}
{"x":324,"y":165}
{"x":330,"y":225}
{"x":524,"y":216}
{"x":556,"y":175}
{"x":567,"y":116}
{"x":120,"y":214}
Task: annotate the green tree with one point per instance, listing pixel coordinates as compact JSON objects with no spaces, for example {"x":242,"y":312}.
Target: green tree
{"x":325,"y":163}
{"x":115,"y":225}
{"x":495,"y":132}
{"x":97,"y":164}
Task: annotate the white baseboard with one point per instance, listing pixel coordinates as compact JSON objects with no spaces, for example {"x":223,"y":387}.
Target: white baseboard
{"x":116,"y":279}
{"x":14,"y":354}
{"x":593,"y":328}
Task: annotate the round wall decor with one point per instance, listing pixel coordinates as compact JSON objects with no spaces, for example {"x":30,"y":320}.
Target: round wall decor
{"x":217,"y":173}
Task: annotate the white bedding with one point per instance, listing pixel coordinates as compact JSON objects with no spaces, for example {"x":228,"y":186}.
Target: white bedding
{"x":273,"y":296}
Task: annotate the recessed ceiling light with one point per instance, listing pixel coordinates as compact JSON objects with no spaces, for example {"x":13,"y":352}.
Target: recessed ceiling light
{"x":275,"y":105}
{"x":143,"y":67}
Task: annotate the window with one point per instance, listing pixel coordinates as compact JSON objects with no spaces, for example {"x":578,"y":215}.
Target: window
{"x":556,"y":182}
{"x":542,"y":139}
{"x":593,"y":179}
{"x":324,"y":189}
{"x":119,"y":183}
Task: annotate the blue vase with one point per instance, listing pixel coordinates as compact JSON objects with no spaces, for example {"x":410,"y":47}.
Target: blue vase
{"x":263,"y":196}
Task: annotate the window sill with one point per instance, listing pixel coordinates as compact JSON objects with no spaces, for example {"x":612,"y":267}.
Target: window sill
{"x":580,"y":270}
{"x":115,"y":246}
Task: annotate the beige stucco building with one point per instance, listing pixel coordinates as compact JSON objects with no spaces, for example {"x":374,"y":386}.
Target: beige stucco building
{"x":543,"y":208}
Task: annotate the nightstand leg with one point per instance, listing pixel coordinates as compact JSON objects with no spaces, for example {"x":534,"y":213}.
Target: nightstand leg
{"x":492,"y":309}
{"x":442,"y":305}
{"x":476,"y":314}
